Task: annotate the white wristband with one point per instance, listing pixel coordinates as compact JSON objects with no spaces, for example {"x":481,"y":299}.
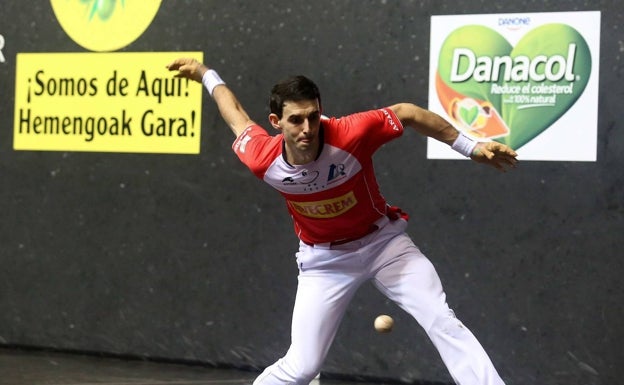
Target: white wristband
{"x":210,"y":80}
{"x":464,"y":145}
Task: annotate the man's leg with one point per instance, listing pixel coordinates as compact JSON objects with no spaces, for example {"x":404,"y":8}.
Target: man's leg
{"x":323,"y":294}
{"x":406,"y":276}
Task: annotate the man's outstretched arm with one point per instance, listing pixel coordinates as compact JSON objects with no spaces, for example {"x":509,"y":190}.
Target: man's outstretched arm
{"x":431,"y":124}
{"x":229,"y":107}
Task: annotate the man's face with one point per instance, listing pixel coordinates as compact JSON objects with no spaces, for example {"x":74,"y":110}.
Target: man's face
{"x":300,"y":124}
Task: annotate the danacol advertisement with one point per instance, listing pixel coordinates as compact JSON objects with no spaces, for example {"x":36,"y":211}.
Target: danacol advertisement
{"x":527,"y":80}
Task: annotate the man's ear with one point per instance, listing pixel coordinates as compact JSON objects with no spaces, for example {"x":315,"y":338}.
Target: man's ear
{"x":274,"y":120}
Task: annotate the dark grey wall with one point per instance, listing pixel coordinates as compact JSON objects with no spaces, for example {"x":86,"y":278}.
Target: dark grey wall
{"x":190,"y":257}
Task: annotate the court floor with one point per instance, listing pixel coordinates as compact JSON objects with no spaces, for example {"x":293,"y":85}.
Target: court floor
{"x":35,"y":367}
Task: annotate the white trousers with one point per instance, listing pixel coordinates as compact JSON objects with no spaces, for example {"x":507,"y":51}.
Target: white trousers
{"x":328,"y":280}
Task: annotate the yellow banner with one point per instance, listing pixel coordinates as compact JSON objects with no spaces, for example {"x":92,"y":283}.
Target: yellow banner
{"x":105,"y":102}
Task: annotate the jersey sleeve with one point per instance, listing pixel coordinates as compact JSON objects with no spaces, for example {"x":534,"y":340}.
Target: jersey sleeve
{"x":370,"y":129}
{"x":257,"y":149}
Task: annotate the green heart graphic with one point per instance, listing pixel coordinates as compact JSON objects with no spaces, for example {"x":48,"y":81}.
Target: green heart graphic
{"x":529,"y":86}
{"x":469,"y":115}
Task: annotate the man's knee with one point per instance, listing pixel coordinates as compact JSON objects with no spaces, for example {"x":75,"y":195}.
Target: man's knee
{"x":447,"y":323}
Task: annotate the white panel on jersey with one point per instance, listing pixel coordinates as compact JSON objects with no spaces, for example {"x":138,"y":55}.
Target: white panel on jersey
{"x":331,"y":169}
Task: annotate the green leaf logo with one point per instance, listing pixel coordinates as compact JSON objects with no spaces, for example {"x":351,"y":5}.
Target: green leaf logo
{"x":511,"y":94}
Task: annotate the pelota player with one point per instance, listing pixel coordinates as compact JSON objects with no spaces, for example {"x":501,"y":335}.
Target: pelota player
{"x":348,"y":233}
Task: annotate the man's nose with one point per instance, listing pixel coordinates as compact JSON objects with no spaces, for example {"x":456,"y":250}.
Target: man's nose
{"x":306,"y":126}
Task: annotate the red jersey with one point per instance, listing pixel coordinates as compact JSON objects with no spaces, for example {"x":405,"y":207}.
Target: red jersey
{"x":336,"y":196}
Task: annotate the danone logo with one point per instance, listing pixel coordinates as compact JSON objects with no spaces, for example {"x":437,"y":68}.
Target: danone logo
{"x":511,"y":94}
{"x":512,"y":85}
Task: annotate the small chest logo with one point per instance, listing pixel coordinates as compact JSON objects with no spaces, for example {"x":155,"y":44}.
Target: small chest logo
{"x":310,"y":179}
{"x":304,"y":177}
{"x":336,"y":172}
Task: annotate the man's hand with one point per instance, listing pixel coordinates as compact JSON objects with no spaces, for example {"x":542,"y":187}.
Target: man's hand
{"x":188,"y":68}
{"x":494,"y":154}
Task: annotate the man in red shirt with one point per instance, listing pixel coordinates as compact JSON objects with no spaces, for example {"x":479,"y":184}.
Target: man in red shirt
{"x":348,"y":233}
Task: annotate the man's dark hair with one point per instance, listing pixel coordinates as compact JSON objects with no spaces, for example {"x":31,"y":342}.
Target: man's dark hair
{"x":294,"y":88}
